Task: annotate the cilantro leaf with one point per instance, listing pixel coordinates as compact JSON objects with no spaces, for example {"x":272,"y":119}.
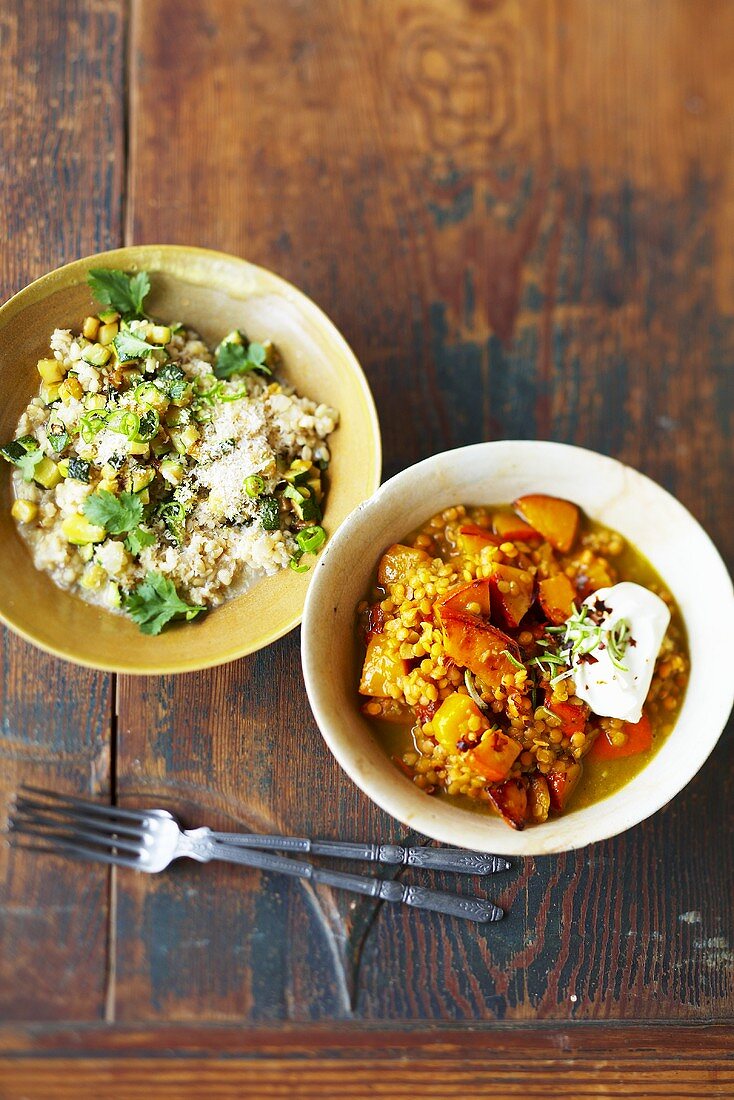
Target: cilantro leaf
{"x":116,"y":514}
{"x":138,"y":539}
{"x":155,"y":602}
{"x":174,"y":381}
{"x":122,"y":292}
{"x":129,"y":346}
{"x":233,"y":358}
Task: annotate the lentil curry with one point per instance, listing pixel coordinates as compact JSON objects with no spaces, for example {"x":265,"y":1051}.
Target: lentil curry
{"x":470,"y":643}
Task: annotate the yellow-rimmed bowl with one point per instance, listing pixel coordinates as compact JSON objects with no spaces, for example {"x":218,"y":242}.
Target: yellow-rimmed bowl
{"x":214,"y":293}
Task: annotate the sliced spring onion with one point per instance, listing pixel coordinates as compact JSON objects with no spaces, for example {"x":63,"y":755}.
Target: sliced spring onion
{"x":471,"y":688}
{"x":147,"y":393}
{"x":311,"y":539}
{"x":254,"y":486}
{"x":92,"y":423}
{"x":295,"y":565}
{"x":513,"y":660}
{"x":125,"y":422}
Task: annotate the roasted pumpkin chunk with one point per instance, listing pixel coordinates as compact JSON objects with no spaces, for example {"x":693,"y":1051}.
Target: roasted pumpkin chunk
{"x":539,"y":798}
{"x":510,"y":799}
{"x":451,"y":721}
{"x":573,"y":716}
{"x":512,"y":594}
{"x":475,"y":644}
{"x":473,"y":539}
{"x":494,"y":756}
{"x":382,"y":665}
{"x":472,"y":597}
{"x":557,"y":595}
{"x":511,"y":528}
{"x":555,"y":519}
{"x":562,"y":781}
{"x":398,"y":562}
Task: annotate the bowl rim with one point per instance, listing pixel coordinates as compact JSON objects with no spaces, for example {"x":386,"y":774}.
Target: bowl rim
{"x":420,"y":814}
{"x":36,"y":290}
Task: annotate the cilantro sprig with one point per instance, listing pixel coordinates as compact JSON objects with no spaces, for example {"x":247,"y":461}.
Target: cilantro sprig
{"x":117,"y":514}
{"x":138,"y":539}
{"x":124,"y":293}
{"x":155,"y":602}
{"x":236,"y":356}
{"x":129,"y":346}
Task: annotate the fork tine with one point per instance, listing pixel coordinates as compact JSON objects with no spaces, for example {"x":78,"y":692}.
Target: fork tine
{"x":102,"y":840}
{"x":80,"y":851}
{"x":87,"y":806}
{"x":64,"y":815}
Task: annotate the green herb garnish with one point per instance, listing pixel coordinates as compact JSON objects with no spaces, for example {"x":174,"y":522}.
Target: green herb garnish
{"x":117,"y":514}
{"x":472,"y":689}
{"x":174,"y":381}
{"x":235,"y":356}
{"x":124,"y":293}
{"x":513,"y":660}
{"x":155,"y":602}
{"x":128,"y":346}
{"x":150,"y":422}
{"x":58,"y":437}
{"x":138,"y":539}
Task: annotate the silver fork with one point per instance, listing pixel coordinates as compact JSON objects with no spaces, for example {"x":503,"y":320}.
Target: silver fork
{"x":149,"y":840}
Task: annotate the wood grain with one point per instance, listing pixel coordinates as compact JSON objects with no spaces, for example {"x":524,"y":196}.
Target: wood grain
{"x":514,"y":211}
{"x":360,"y":1062}
{"x":61,"y":148}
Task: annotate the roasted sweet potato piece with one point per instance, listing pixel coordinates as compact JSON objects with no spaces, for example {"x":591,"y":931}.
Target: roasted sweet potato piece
{"x":381,"y":665}
{"x":511,"y":528}
{"x":555,"y":519}
{"x":398,"y":562}
{"x":562,"y":782}
{"x":539,"y":798}
{"x":494,"y":756}
{"x":509,"y":607}
{"x":473,"y":539}
{"x":557,"y":595}
{"x":639,"y":739}
{"x":472,"y":597}
{"x":510,"y":799}
{"x":592,"y":575}
{"x":450,"y":722}
{"x":573,"y":716}
{"x":475,"y":644}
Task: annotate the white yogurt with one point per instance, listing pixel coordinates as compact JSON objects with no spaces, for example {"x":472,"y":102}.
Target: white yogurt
{"x":610,"y":692}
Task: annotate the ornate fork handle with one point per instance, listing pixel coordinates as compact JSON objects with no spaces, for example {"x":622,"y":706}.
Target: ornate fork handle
{"x":198,"y":845}
{"x":440,"y":859}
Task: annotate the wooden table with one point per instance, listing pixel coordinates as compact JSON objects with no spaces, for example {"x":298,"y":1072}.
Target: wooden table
{"x":521,"y":215}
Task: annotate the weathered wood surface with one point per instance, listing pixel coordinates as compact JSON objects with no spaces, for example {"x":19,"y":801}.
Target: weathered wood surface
{"x":520,"y":214}
{"x":61,"y":179}
{"x":355,"y":1063}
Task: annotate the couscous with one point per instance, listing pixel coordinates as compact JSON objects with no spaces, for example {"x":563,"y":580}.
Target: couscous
{"x":520,"y":659}
{"x":156,"y":476}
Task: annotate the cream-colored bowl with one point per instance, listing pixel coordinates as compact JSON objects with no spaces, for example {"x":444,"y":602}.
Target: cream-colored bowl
{"x":491,"y":473}
{"x":215,"y":293}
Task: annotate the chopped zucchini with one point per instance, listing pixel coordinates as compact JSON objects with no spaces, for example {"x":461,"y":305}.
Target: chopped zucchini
{"x":79,"y":531}
{"x":50,"y":370}
{"x":96,"y":354}
{"x":269,"y":513}
{"x":50,"y":392}
{"x":159,"y":334}
{"x":47,"y":473}
{"x":78,"y":468}
{"x":108,"y":316}
{"x":107,"y":334}
{"x":90,"y":328}
{"x":172,"y":470}
{"x":185,"y":439}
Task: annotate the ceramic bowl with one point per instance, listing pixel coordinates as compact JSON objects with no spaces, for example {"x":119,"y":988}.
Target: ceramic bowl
{"x":215,"y":293}
{"x":491,"y":473}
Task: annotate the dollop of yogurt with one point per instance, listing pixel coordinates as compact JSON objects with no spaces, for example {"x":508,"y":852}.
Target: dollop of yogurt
{"x":610,"y":691}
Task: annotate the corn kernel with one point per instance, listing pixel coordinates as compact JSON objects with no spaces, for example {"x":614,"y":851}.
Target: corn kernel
{"x":25,"y":511}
